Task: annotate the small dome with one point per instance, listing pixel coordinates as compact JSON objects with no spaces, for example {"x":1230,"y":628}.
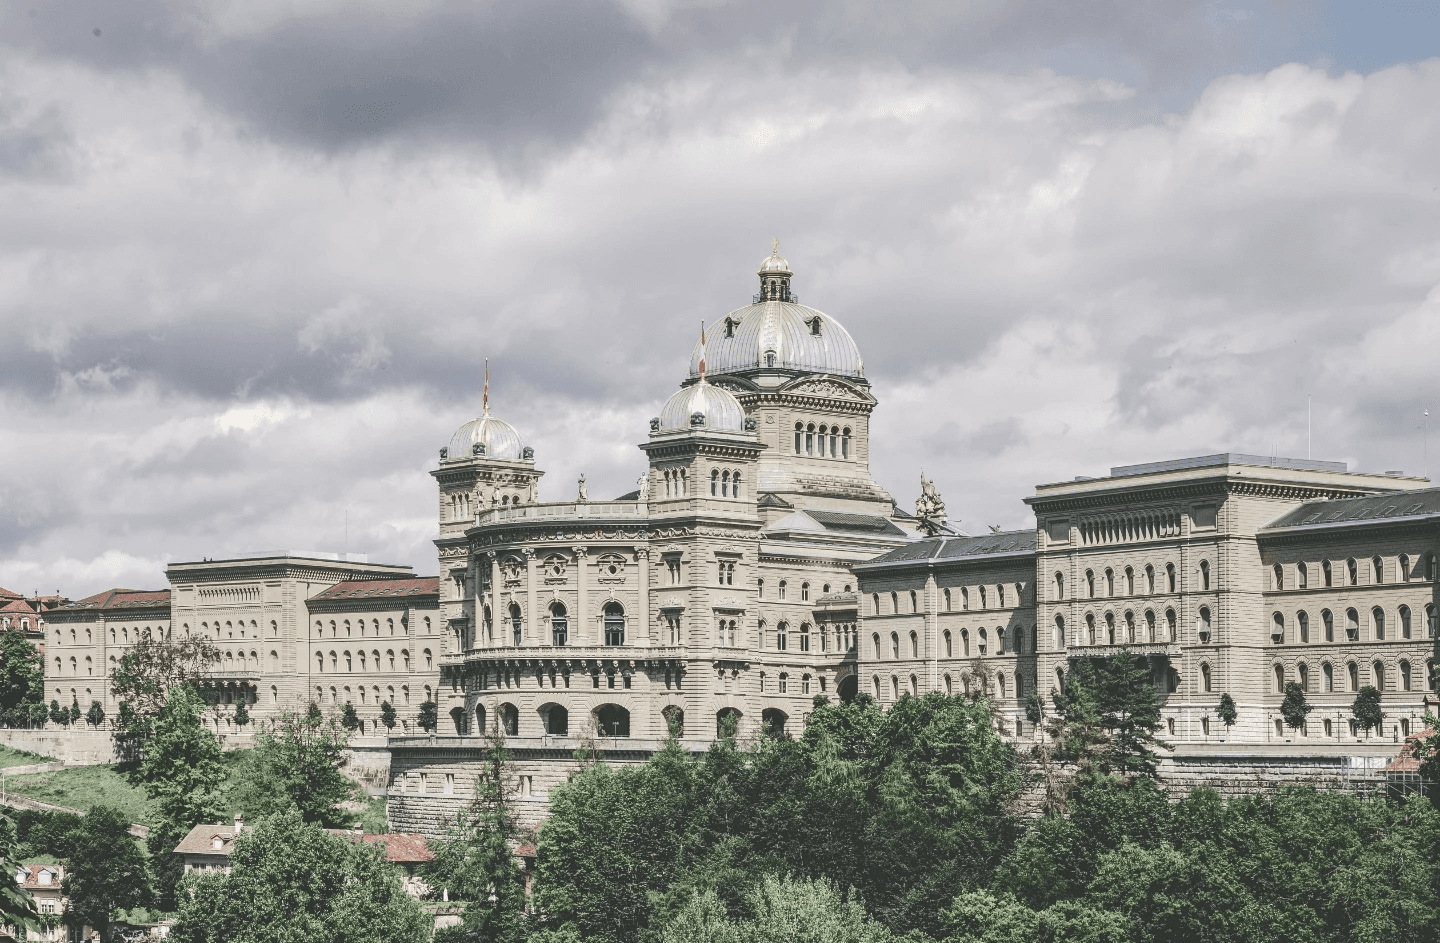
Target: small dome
{"x":498,"y":436}
{"x":775,"y":264}
{"x":701,"y":406}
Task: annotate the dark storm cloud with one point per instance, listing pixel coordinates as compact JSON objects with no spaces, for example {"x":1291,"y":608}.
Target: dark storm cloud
{"x":525,"y":78}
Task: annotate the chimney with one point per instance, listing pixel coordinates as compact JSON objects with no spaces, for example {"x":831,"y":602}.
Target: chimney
{"x":239,"y":821}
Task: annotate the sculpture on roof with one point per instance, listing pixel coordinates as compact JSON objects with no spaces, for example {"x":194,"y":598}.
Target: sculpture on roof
{"x":929,"y":505}
{"x":584,"y":495}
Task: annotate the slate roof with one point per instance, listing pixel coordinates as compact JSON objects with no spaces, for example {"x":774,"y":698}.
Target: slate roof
{"x":855,"y":523}
{"x":119,"y":598}
{"x":937,"y":549}
{"x":373,"y":589}
{"x":1396,"y":506}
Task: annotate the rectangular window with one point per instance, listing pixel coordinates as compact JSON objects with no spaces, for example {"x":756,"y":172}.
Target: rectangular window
{"x":449,"y":784}
{"x":423,"y":784}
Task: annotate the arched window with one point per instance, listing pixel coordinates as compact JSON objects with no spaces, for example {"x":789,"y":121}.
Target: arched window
{"x":556,"y":720}
{"x":1059,"y":585}
{"x":559,"y":624}
{"x":1379,"y":673}
{"x":1090,"y":628}
{"x":1000,"y":682}
{"x":947,"y":640}
{"x":1204,"y":627}
{"x":810,"y":439}
{"x":804,"y":592}
{"x":799,"y":437}
{"x":895,"y":687}
{"x":612,"y":720}
{"x":1377,"y":620}
{"x":1404,"y":622}
{"x":1149,"y":580}
{"x":982,"y":641}
{"x":1404,"y":675}
{"x":1059,"y":632}
{"x":1205,"y":677}
{"x":1279,"y":577}
{"x":1352,"y":572}
{"x":947,"y":600}
{"x":1130,"y":628}
{"x":1430,"y":567}
{"x":1432,"y":628}
{"x":895,"y":645}
{"x":999,"y":640}
{"x":782,"y":636}
{"x":914,"y":645}
{"x":845,"y":442}
{"x":875,"y":684}
{"x":1352,"y":625}
{"x":949,"y":685}
{"x":1170,"y":577}
{"x":834,"y":442}
{"x":1129,"y":581}
{"x":782,"y":589}
{"x":1204,"y":576}
{"x":1150,"y":626}
{"x":1377,"y":570}
{"x":1404,"y":568}
{"x":614,"y":615}
{"x":1327,"y":677}
{"x":714,"y":481}
{"x":1354,"y":671}
{"x":1327,"y":619}
{"x":1109,"y":582}
{"x":1279,"y":679}
{"x":1302,"y":620}
{"x":1327,"y":573}
{"x":517,"y":624}
{"x":875,"y":645}
{"x":804,"y":636}
{"x":1302,"y":576}
{"x":1109,"y":628}
{"x":965,"y":598}
{"x":1277,"y":629}
{"x":999,"y":593}
{"x":1090,"y":583}
{"x":965,"y":643}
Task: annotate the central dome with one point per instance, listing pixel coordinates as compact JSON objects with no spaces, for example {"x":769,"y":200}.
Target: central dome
{"x":780,"y":335}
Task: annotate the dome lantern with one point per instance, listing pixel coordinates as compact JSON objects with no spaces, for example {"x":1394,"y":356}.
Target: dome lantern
{"x":775,"y":276}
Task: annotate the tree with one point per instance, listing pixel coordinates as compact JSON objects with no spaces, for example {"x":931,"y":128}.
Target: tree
{"x":475,"y":859}
{"x":1366,"y":709}
{"x":95,"y":716}
{"x":796,"y":910}
{"x":429,"y":716}
{"x":58,"y":714}
{"x":75,"y":713}
{"x":1226,"y":710}
{"x":348,"y":718}
{"x":1130,"y":711}
{"x":17,"y":907}
{"x":387,"y":715}
{"x":242,"y":713}
{"x":1295,"y":707}
{"x":153,"y":665}
{"x":296,"y":763}
{"x":289,"y":880}
{"x":107,"y":870}
{"x":22,"y":677}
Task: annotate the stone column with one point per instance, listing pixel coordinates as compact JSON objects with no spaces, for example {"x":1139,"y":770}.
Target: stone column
{"x":533,"y":623}
{"x":642,"y":558}
{"x":582,"y":615}
{"x":494,"y":595}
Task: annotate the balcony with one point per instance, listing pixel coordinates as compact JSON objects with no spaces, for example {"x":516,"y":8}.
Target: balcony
{"x":574,"y":511}
{"x":1144,"y":649}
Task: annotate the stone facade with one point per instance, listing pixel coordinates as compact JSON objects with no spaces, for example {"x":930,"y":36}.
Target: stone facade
{"x":1231,"y":573}
{"x":290,"y":627}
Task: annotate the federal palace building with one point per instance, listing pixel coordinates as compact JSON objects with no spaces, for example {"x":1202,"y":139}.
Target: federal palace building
{"x":759,"y":564}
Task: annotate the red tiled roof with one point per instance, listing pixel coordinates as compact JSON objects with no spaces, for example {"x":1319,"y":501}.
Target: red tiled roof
{"x":201,"y":840}
{"x":1408,"y":761}
{"x":32,"y":876}
{"x":17,"y":605}
{"x":124,"y":599}
{"x":367,"y":589}
{"x":400,"y":847}
{"x":10,"y":594}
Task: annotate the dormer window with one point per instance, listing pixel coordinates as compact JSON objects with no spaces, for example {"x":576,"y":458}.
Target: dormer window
{"x":769,"y":358}
{"x":814,"y":324}
{"x":217,"y":843}
{"x":730,"y":327}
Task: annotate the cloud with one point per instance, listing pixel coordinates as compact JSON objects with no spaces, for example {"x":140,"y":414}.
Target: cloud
{"x":234,"y":326}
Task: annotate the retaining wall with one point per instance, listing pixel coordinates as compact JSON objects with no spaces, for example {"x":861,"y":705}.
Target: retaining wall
{"x":76,"y":746}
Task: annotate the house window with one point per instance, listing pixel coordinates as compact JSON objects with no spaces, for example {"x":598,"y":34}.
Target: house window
{"x":1302,"y":576}
{"x":1327,"y":573}
{"x":781,"y":631}
{"x":895,"y":645}
{"x":1205,"y":678}
{"x":782,"y":589}
{"x":559,"y":624}
{"x":1404,"y":622}
{"x":804,"y":592}
{"x":1059,"y":586}
{"x":1205,"y":576}
{"x":1352,"y":571}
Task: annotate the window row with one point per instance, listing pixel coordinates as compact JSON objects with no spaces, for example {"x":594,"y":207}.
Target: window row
{"x":1128,"y":632}
{"x":1281,"y":630}
{"x":612,"y":618}
{"x":1376,"y":572}
{"x":839,"y":637}
{"x":367,"y":661}
{"x":725,"y":483}
{"x":909,"y":646}
{"x":1350,"y":676}
{"x":971,"y":684}
{"x":607,"y":720}
{"x":783,"y":685}
{"x":1002,"y":595}
{"x":359,"y":628}
{"x":782,"y":589}
{"x":1150,"y":581}
{"x":825,"y":440}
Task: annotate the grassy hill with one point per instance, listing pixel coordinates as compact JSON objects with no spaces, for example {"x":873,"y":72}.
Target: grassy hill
{"x":81,"y":787}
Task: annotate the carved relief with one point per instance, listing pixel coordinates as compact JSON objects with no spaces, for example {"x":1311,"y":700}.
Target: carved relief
{"x":612,"y":568}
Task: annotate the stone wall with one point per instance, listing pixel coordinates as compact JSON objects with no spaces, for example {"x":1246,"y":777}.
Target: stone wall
{"x":76,"y":746}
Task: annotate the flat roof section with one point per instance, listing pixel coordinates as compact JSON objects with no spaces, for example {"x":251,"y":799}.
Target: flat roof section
{"x":1228,"y":458}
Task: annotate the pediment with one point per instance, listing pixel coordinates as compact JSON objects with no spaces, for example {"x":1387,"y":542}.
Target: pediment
{"x":829,"y":387}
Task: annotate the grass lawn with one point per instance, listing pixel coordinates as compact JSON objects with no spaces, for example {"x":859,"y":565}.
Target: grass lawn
{"x":9,"y":756}
{"x":81,"y":787}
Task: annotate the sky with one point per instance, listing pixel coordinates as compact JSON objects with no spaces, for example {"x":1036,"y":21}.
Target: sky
{"x":254,"y":255}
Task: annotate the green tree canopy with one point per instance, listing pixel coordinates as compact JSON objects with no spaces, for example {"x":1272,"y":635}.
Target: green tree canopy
{"x":1295,"y":707}
{"x":296,"y":765}
{"x":428,"y":717}
{"x":1366,"y":709}
{"x":107,"y":872}
{"x":387,"y":715}
{"x":182,"y":769}
{"x":1226,"y":710}
{"x":22,"y":677}
{"x":348,"y":718}
{"x":95,"y":716}
{"x":291,"y":881}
